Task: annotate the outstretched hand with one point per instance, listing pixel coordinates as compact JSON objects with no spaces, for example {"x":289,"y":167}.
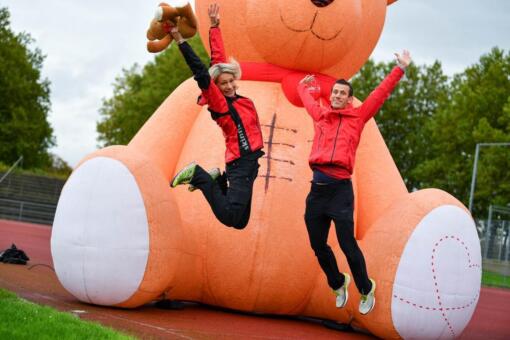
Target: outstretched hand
{"x":214,"y":14}
{"x":403,"y":60}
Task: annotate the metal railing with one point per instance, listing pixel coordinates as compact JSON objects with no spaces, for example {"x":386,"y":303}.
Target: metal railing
{"x":27,"y":211}
{"x":20,"y":160}
{"x":31,"y":188}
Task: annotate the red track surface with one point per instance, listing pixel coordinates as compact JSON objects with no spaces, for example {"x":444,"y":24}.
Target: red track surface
{"x":37,"y":282}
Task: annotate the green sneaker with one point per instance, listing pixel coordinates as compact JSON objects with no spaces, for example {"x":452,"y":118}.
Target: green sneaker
{"x":342,"y":293}
{"x":214,"y":173}
{"x":185,"y":175}
{"x":367,"y":302}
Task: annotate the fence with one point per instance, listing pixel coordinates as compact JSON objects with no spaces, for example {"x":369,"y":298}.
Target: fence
{"x":495,"y":243}
{"x":29,"y":198}
{"x":27,"y":211}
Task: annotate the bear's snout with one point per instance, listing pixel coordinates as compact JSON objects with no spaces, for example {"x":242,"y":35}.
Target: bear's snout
{"x":322,"y":3}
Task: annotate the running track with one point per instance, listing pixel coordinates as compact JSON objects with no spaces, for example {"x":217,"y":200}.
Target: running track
{"x":37,"y":282}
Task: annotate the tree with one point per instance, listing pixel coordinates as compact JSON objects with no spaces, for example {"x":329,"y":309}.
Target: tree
{"x":138,"y":93}
{"x":24,"y":100}
{"x":477,"y":112}
{"x":59,"y":166}
{"x":412,"y":104}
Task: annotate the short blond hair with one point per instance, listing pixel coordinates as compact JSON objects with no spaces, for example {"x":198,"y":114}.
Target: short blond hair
{"x":232,"y":67}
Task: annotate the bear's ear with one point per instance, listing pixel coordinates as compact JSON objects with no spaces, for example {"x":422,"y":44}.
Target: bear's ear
{"x":391,"y":1}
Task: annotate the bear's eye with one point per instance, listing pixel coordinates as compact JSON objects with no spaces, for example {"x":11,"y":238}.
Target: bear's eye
{"x":322,"y":3}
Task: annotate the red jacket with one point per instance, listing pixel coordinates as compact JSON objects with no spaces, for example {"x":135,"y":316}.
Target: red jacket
{"x":236,"y":116}
{"x":338,"y":131}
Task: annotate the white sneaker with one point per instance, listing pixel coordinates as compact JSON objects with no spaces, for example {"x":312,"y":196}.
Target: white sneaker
{"x":367,"y":302}
{"x":342,"y":293}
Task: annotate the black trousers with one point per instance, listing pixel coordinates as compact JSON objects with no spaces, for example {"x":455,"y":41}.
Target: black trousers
{"x":231,"y":205}
{"x":335,"y":202}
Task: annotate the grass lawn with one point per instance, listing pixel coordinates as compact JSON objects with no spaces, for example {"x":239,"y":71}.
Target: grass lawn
{"x":495,"y":279}
{"x":21,"y":319}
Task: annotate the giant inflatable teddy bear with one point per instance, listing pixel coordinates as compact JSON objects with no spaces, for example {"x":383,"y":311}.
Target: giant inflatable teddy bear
{"x":122,"y":237}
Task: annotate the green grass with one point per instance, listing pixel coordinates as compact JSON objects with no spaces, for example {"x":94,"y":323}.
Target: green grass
{"x":495,"y":279}
{"x":21,"y":319}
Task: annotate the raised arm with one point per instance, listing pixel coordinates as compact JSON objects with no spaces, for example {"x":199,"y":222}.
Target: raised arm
{"x":212,"y":94}
{"x":311,"y":104}
{"x":218,"y":54}
{"x":376,"y":99}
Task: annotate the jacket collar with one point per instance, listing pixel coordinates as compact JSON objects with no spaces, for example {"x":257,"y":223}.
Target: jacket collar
{"x":346,"y":111}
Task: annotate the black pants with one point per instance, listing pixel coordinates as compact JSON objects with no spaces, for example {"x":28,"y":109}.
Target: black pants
{"x":231,"y":205}
{"x":335,"y":202}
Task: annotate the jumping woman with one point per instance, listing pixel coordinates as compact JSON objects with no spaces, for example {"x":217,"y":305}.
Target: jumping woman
{"x":237,"y":117}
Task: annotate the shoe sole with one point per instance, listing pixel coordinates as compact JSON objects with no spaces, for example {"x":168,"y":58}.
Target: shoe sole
{"x":178,"y":174}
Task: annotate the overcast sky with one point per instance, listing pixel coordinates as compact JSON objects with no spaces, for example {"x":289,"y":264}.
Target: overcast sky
{"x":88,"y":43}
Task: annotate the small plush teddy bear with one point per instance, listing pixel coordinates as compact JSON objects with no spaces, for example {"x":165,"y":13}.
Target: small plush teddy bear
{"x":165,"y":17}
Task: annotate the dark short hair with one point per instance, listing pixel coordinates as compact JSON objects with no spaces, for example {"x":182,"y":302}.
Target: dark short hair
{"x":345,"y":82}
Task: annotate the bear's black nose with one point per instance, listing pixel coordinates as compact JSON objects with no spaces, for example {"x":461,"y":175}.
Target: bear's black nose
{"x":322,"y":3}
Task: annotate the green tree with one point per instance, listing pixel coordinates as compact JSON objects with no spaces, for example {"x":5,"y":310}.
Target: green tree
{"x":138,"y":93}
{"x":477,"y":112}
{"x":24,"y":100}
{"x":412,"y":104}
{"x":59,"y":167}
